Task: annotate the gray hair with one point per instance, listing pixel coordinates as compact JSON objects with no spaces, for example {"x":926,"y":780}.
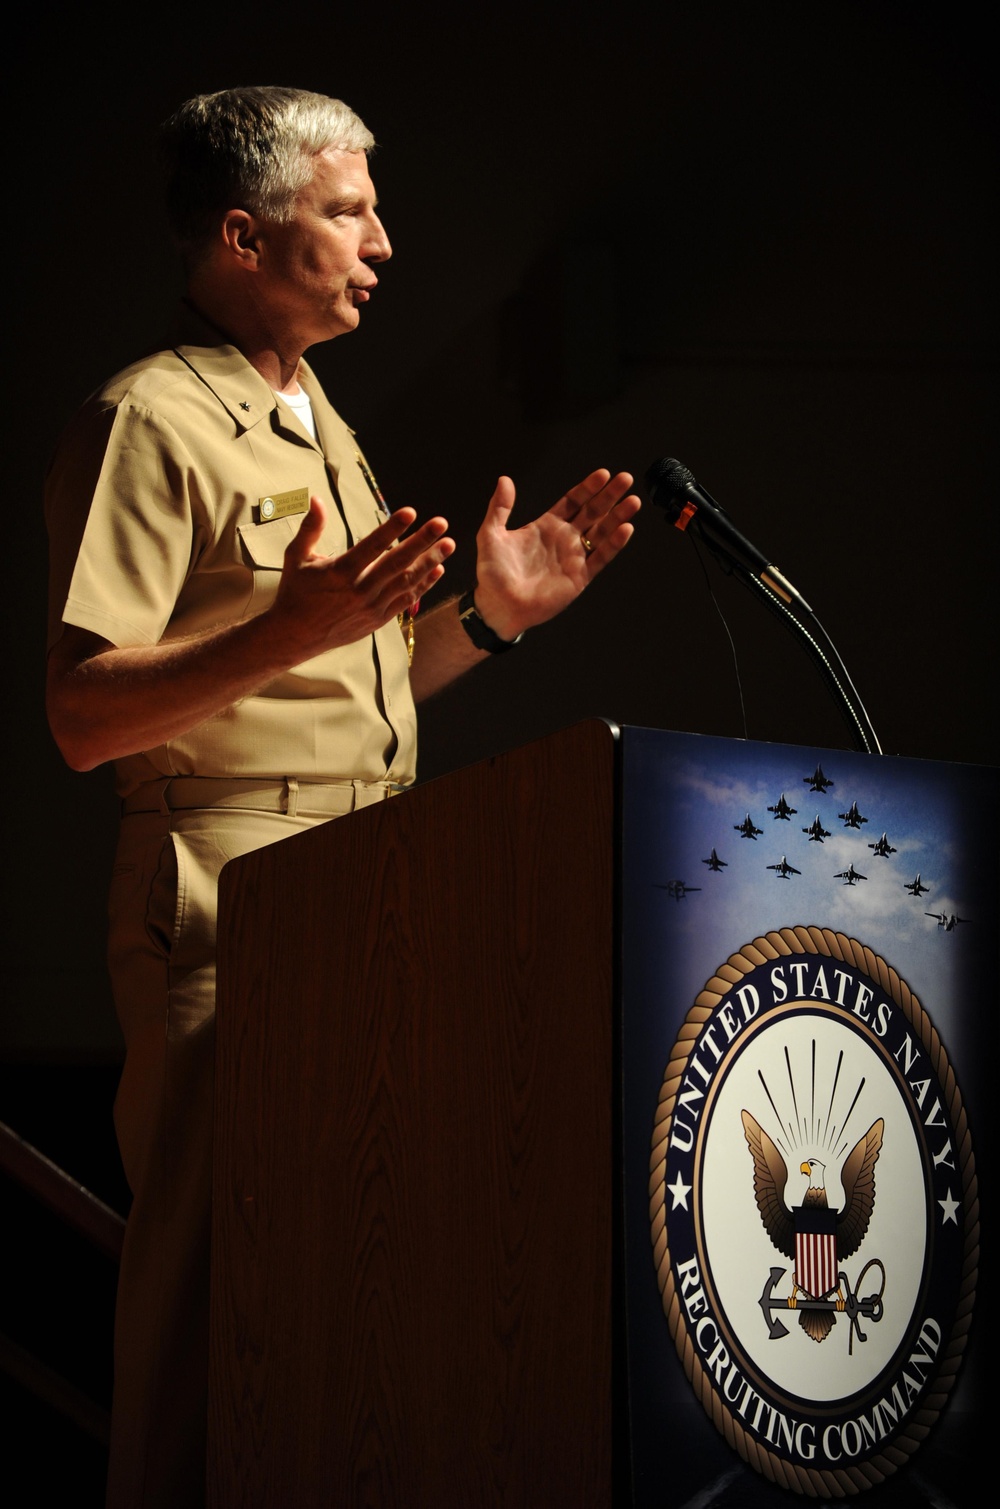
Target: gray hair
{"x":248,"y":149}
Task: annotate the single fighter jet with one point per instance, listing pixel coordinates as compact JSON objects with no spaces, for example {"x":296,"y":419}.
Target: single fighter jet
{"x":818,"y":781}
{"x":677,"y":889}
{"x":948,"y":921}
{"x":784,"y":869}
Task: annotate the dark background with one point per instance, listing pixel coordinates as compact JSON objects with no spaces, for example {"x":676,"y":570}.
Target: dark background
{"x":756,"y":237}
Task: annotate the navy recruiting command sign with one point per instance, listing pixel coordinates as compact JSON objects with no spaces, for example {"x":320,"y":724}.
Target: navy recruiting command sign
{"x":812,"y":1203}
{"x":808,"y":990}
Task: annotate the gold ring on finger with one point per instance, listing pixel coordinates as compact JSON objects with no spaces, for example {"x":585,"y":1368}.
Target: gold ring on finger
{"x":587,"y":544}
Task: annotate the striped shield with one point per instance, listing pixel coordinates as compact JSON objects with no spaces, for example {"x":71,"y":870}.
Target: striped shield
{"x":815,"y":1250}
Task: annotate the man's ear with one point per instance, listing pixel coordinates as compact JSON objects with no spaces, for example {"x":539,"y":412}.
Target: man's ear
{"x":239,"y":233}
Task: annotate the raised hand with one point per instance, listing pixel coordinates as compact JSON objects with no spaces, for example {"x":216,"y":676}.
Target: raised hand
{"x":324,"y":601}
{"x":526,"y":576}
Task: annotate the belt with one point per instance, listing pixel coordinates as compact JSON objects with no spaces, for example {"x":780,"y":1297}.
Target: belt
{"x":288,"y":796}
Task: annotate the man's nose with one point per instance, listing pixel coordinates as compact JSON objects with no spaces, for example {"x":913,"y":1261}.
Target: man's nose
{"x":377,"y":247}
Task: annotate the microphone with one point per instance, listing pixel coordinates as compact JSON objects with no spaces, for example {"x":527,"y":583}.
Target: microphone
{"x":673,"y":488}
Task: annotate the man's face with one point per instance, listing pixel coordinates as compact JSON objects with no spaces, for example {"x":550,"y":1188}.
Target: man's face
{"x":317,"y":266}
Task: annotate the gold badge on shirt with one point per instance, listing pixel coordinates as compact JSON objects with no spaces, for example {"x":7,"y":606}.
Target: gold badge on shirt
{"x":280,"y":505}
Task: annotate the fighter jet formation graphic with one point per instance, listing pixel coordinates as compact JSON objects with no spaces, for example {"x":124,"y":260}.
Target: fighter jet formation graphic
{"x":815,"y":832}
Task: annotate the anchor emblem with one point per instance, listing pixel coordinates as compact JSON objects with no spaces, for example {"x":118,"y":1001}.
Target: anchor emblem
{"x":817,"y":1237}
{"x":851,"y":1304}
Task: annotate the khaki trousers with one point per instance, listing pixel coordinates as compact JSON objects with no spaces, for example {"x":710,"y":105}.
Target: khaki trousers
{"x":162,"y":960}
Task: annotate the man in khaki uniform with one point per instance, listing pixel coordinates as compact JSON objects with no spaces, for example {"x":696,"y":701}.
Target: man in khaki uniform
{"x":227,"y":592}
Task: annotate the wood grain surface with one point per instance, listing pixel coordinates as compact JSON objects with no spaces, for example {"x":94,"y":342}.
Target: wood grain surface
{"x":412,"y":1295}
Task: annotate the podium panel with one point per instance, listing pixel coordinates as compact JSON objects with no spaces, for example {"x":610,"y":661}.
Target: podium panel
{"x":808,"y":989}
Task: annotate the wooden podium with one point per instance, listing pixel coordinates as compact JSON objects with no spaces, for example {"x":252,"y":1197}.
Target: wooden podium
{"x":521,"y":1080}
{"x":412,"y":1236}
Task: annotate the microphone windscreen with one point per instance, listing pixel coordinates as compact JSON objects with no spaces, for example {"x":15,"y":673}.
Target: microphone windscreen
{"x":668,"y":480}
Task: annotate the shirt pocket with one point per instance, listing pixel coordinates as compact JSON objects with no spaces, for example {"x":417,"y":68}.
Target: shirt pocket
{"x":262,"y":547}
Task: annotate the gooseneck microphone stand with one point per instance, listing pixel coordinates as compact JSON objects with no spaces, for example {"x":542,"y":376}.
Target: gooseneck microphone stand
{"x":688,"y":506}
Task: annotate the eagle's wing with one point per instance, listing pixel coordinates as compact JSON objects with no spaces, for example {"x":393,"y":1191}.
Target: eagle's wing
{"x":769,"y":1179}
{"x":858,"y":1179}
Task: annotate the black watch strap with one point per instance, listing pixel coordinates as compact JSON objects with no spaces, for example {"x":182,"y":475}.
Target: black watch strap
{"x":480,"y":633}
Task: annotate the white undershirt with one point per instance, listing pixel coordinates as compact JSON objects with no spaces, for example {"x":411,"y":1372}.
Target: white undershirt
{"x":302,"y":409}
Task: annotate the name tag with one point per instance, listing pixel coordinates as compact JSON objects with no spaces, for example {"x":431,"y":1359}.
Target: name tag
{"x":280,"y":505}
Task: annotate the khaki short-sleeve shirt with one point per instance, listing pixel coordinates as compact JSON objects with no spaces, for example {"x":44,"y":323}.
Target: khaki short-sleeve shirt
{"x":169,"y":504}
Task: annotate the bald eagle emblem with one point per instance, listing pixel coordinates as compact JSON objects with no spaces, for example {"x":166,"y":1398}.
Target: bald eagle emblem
{"x":818,"y":1238}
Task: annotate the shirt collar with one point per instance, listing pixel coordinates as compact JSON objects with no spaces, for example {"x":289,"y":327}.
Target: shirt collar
{"x":223,"y":368}
{"x":247,"y":397}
